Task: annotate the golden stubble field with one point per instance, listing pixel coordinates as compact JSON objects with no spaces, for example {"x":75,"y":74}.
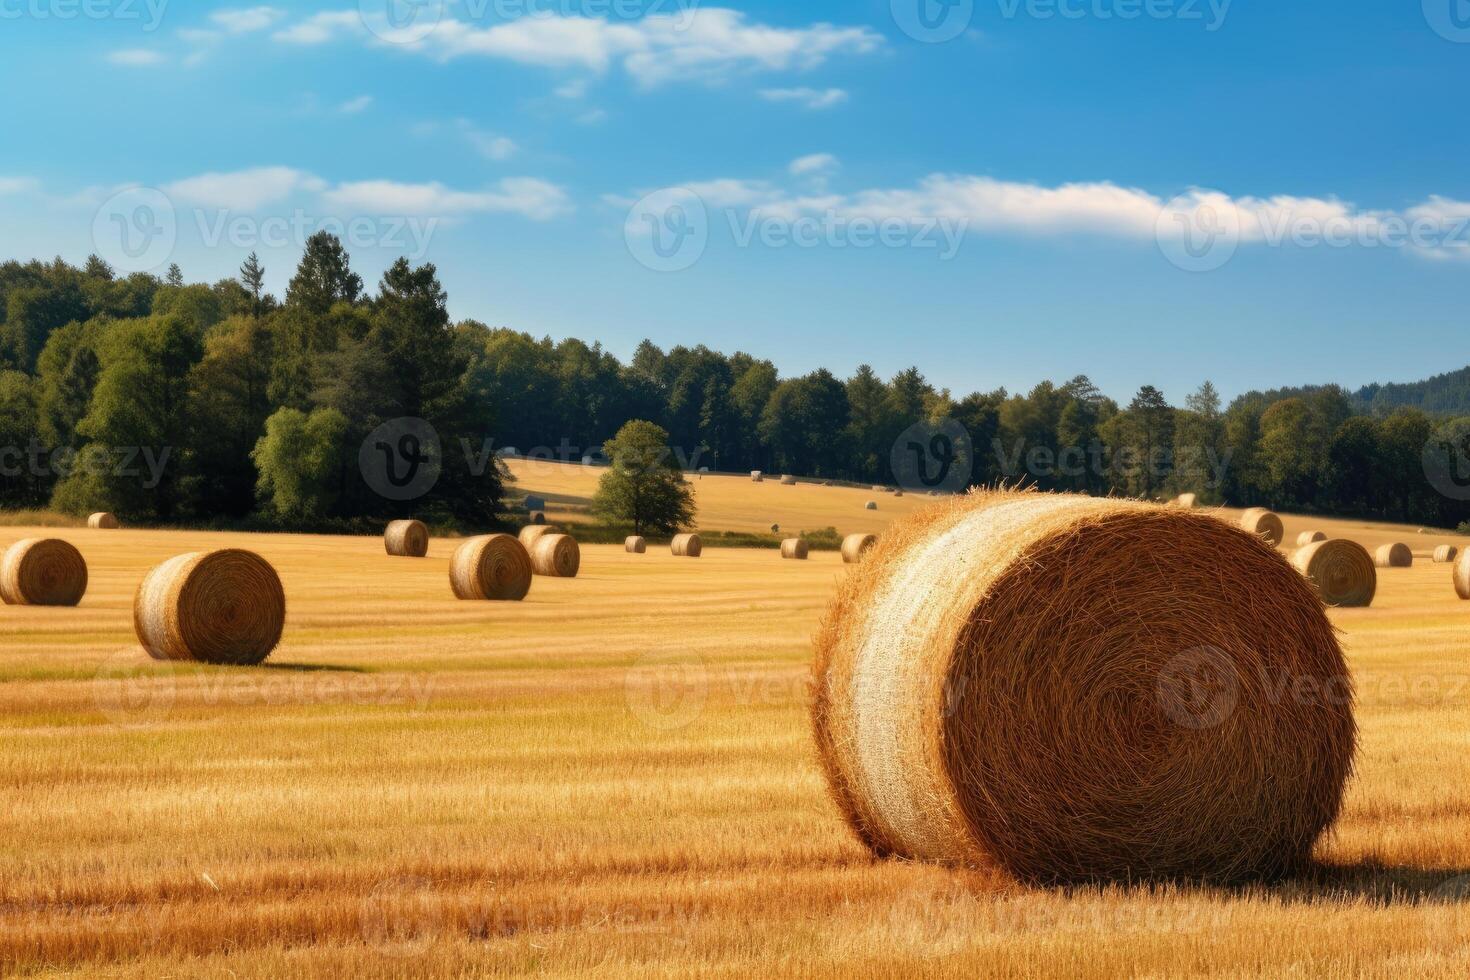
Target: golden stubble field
{"x":615,"y":778}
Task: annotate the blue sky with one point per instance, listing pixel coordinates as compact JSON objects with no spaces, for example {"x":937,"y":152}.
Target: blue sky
{"x":824,"y":159}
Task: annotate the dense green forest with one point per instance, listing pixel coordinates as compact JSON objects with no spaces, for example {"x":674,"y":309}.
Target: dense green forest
{"x":168,"y":401}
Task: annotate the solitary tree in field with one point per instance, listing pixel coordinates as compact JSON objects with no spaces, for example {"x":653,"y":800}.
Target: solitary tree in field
{"x":644,"y":486}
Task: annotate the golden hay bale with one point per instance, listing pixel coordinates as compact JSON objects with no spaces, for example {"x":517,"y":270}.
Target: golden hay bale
{"x":878,"y":488}
{"x":898,"y":493}
{"x":871,"y":505}
{"x":1309,"y":537}
{"x":1462,"y":575}
{"x":794,"y":549}
{"x":1080,"y":689}
{"x":407,"y":539}
{"x":495,"y":567}
{"x":1396,"y":555}
{"x":855,"y":546}
{"x":556,"y":556}
{"x":756,"y":476}
{"x":216,"y":607}
{"x":1186,"y":500}
{"x":1445,"y":554}
{"x":788,"y":481}
{"x":687,"y":546}
{"x":105,"y":521}
{"x":1340,"y":570}
{"x":532,"y":533}
{"x":1264,"y":524}
{"x":42,"y":572}
{"x":635,"y":545}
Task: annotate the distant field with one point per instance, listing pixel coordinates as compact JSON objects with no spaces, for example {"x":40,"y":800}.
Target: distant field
{"x":616,"y":778}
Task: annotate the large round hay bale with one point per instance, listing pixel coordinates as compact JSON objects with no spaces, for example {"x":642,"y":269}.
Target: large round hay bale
{"x":216,"y":607}
{"x":1445,"y":554}
{"x":1309,"y":537}
{"x":532,"y":533}
{"x":687,"y":546}
{"x":1265,"y":524}
{"x":1462,"y":575}
{"x":407,"y":539}
{"x":42,"y":572}
{"x":1341,"y":571}
{"x":855,"y":546}
{"x":788,"y":481}
{"x":495,"y":567}
{"x":756,"y":476}
{"x":556,"y":556}
{"x":635,"y":545}
{"x":1395,"y":555}
{"x":1062,"y":687}
{"x":105,"y":521}
{"x":871,"y":505}
{"x":794,"y":549}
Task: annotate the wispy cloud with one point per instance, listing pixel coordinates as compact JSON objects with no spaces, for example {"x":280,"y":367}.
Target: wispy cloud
{"x":354,"y":106}
{"x":529,"y":197}
{"x":488,"y":145}
{"x":816,"y":163}
{"x":135,"y":58}
{"x":807,"y":98}
{"x":248,"y":19}
{"x":19,"y":185}
{"x":321,"y":28}
{"x":243,"y":190}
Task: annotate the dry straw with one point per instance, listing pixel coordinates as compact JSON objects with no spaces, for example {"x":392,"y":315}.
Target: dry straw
{"x":105,"y":521}
{"x":407,"y":539}
{"x":42,"y":572}
{"x":493,"y":567}
{"x":532,"y":533}
{"x":1025,"y":680}
{"x":1462,"y":576}
{"x":216,"y":607}
{"x":1263,"y":523}
{"x":687,"y":546}
{"x":1445,"y":554}
{"x":794,"y":549}
{"x":1309,"y":537}
{"x":1395,"y":555}
{"x":1341,"y":571}
{"x":635,"y":545}
{"x":855,"y":546}
{"x":556,"y":556}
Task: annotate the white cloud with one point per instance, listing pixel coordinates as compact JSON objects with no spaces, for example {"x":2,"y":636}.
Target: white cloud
{"x":247,"y":20}
{"x":816,"y":163}
{"x":488,"y":145}
{"x":135,"y":58}
{"x":19,"y":185}
{"x":572,"y":90}
{"x":529,"y":197}
{"x":321,"y":28}
{"x":353,"y":106}
{"x":807,"y":98}
{"x":243,"y":190}
{"x":197,"y":35}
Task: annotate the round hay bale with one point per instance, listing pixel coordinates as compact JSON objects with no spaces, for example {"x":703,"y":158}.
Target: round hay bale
{"x":1395,"y":555}
{"x":788,"y":481}
{"x":1462,"y":575}
{"x":556,"y":556}
{"x":215,"y":607}
{"x":879,"y":488}
{"x":407,"y":539}
{"x":1309,"y":537}
{"x":794,"y":549}
{"x":42,"y":572}
{"x":1263,"y":523}
{"x":532,"y":533}
{"x":104,"y":521}
{"x":756,"y":476}
{"x":1445,"y":554}
{"x":687,"y":546}
{"x":635,"y":545}
{"x":1070,"y":689}
{"x":1341,"y":570}
{"x":495,"y":567}
{"x":1186,"y":500}
{"x":898,"y":493}
{"x":855,"y":546}
{"x":871,"y":505}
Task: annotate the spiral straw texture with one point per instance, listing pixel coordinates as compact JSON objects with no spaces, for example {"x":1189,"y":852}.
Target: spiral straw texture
{"x":1396,"y":555}
{"x":407,"y":539}
{"x":104,"y":521}
{"x":493,"y":567}
{"x":1079,"y":689}
{"x":635,"y":545}
{"x":687,"y":546}
{"x":556,"y":556}
{"x":216,"y":607}
{"x":1445,"y":554}
{"x":1309,"y":537}
{"x":42,"y":572}
{"x":855,"y":546}
{"x":794,"y":549}
{"x":1263,"y":523}
{"x":1341,"y":571}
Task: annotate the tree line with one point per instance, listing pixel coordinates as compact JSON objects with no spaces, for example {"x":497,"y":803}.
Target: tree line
{"x":169,"y":401}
